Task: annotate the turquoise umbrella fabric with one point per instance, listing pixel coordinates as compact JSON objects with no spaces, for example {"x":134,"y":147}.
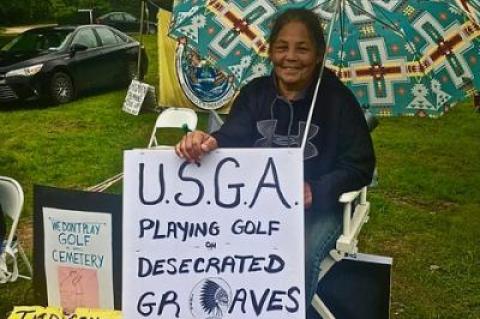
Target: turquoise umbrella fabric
{"x":231,"y":35}
{"x":404,"y":57}
{"x":399,"y":57}
{"x":469,"y":7}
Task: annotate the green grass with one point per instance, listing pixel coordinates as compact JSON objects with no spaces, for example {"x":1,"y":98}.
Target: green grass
{"x":425,"y":213}
{"x":424,"y":210}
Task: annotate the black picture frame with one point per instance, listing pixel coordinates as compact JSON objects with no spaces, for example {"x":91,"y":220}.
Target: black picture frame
{"x":46,"y":196}
{"x":358,"y":287}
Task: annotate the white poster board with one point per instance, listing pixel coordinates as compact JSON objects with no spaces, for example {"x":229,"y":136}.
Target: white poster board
{"x":222,"y":239}
{"x":78,"y":259}
{"x":139,"y":93}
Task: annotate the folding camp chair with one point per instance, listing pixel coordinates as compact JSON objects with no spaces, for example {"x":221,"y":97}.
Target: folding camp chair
{"x":173,"y":118}
{"x":346,"y":244}
{"x":11,"y":201}
{"x":355,"y":213}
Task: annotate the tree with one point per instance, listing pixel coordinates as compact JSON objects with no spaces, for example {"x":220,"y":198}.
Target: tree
{"x":25,"y":12}
{"x":66,"y":11}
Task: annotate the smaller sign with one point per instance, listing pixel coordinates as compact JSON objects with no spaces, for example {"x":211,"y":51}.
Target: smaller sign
{"x":138,"y":94}
{"x":78,"y":258}
{"x":96,"y":313}
{"x":34,"y":312}
{"x":77,"y":249}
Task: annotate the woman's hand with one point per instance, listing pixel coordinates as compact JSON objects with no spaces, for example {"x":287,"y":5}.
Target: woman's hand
{"x":307,"y":195}
{"x":194,"y":145}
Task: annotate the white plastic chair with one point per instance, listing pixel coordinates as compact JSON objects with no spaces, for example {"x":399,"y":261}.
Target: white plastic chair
{"x":215,"y":122}
{"x":11,"y":201}
{"x":346,"y":244}
{"x":173,"y":118}
{"x":169,"y":118}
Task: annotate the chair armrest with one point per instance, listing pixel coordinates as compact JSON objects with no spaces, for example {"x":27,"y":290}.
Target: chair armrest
{"x":349,"y":197}
{"x":352,"y":224}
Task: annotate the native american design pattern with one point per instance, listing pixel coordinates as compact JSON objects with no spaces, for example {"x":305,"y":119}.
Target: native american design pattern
{"x":410,"y":57}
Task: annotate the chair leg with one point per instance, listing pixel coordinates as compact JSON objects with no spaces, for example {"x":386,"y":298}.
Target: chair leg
{"x":26,"y":262}
{"x":321,"y":308}
{"x":326,"y":264}
{"x":8,"y":265}
{"x":4,"y":273}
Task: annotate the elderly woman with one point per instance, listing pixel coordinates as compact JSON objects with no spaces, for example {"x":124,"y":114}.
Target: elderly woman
{"x":340,"y":155}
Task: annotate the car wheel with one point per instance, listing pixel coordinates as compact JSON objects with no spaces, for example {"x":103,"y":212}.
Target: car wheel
{"x":61,"y":88}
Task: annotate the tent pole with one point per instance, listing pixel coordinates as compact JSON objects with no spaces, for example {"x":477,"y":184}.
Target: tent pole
{"x":139,"y":59}
{"x":338,"y":7}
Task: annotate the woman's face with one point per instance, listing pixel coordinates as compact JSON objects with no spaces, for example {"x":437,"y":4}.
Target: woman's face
{"x":294,"y":57}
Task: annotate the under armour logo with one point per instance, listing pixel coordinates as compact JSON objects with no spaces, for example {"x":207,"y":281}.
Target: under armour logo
{"x":267,"y":129}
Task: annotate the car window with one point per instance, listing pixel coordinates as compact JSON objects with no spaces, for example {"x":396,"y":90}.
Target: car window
{"x":38,"y":40}
{"x":129,"y":18}
{"x":121,"y":37}
{"x":116,"y":17}
{"x":86,"y":37}
{"x":107,"y":36}
{"x":57,"y":40}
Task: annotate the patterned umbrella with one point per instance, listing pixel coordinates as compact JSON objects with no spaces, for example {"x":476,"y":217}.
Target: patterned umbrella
{"x":412,"y":57}
{"x":229,"y":34}
{"x":470,"y":7}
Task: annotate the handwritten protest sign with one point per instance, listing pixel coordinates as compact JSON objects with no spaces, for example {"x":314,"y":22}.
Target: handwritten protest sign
{"x":33,"y":312}
{"x":37,"y":312}
{"x":78,"y":258}
{"x":218,"y":239}
{"x":138,"y":94}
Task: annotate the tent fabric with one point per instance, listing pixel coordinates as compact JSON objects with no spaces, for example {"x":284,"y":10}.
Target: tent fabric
{"x":407,"y":57}
{"x":170,"y":93}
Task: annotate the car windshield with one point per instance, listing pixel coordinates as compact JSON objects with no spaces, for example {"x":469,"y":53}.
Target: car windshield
{"x":37,"y":41}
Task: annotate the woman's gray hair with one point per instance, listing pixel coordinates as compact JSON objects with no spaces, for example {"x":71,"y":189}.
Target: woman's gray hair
{"x":309,"y":18}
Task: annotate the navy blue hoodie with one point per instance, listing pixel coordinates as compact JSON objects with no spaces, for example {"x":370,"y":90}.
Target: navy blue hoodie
{"x":339,"y":155}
